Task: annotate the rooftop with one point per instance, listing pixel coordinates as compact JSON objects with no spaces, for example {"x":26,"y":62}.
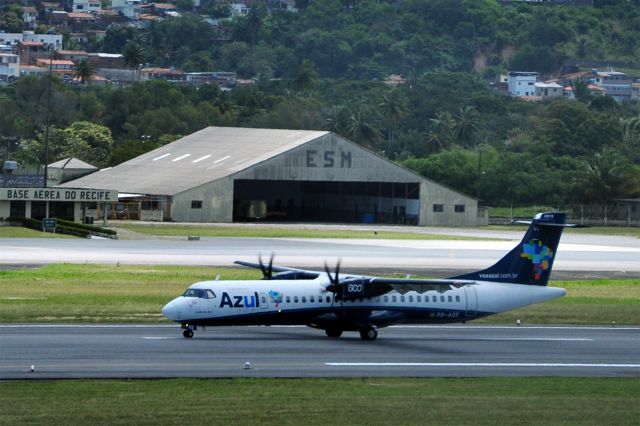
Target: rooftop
{"x":197,"y":159}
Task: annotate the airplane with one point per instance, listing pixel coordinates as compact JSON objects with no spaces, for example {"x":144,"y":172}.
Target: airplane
{"x":336,"y":303}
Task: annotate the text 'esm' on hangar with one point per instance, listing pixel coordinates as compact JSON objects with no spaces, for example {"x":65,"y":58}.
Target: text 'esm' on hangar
{"x":224,"y":174}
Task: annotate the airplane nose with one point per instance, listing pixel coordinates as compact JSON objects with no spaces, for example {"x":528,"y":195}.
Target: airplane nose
{"x":171,"y":310}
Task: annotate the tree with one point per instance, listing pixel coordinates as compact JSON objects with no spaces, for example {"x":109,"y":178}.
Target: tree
{"x":361,"y":130}
{"x":306,"y":77}
{"x":133,"y":55}
{"x":581,"y":91}
{"x":84,"y":70}
{"x":441,"y":132}
{"x":467,"y":125}
{"x":394,"y":108}
{"x":608,"y":175}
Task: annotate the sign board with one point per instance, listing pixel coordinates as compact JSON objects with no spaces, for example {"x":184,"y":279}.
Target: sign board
{"x":49,"y":224}
{"x":58,"y":194}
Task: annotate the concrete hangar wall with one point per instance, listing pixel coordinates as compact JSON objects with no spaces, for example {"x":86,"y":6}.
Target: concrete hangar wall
{"x":238,"y":174}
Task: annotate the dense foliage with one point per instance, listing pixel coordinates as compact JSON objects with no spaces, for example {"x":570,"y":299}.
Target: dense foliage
{"x":446,"y":122}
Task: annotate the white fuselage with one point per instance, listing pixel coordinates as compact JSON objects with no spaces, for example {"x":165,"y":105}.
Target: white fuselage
{"x":298,"y":301}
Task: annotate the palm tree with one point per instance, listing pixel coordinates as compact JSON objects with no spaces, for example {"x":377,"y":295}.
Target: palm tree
{"x":133,"y":55}
{"x":440,"y":135}
{"x":467,"y":124}
{"x":306,"y":76}
{"x":84,"y":70}
{"x":581,"y":91}
{"x":394,"y":108}
{"x":361,"y":130}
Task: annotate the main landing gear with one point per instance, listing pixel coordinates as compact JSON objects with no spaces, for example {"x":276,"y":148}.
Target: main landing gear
{"x":366,"y":333}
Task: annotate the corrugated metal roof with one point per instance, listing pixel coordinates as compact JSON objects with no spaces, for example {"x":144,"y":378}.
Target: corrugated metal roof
{"x":202,"y":157}
{"x":71,"y":163}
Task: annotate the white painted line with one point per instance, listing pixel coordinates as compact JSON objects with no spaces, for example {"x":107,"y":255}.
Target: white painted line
{"x":89,"y":326}
{"x":182,"y":157}
{"x":221,"y":159}
{"x":204,"y":157}
{"x":522,"y":327}
{"x":159,"y":338}
{"x":473,"y":364}
{"x":533,"y":339}
{"x":161,"y":157}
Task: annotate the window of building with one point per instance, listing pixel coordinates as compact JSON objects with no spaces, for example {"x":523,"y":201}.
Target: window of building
{"x":196,"y":204}
{"x":150,"y":205}
{"x":438,"y":208}
{"x":459,"y":208}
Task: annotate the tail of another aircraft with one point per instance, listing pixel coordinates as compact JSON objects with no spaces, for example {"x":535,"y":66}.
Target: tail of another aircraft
{"x":530,"y":262}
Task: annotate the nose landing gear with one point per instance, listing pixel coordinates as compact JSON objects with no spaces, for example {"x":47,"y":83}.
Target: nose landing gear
{"x":187,"y":330}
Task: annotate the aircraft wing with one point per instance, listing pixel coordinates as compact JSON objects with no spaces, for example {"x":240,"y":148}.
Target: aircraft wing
{"x":274,"y":268}
{"x":405,"y":285}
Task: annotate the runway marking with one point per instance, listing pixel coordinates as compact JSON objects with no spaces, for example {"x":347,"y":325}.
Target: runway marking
{"x":535,"y":339}
{"x":473,"y":364}
{"x":159,"y":338}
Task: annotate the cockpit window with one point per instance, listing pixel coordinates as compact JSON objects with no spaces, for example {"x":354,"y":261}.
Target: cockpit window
{"x":202,"y":294}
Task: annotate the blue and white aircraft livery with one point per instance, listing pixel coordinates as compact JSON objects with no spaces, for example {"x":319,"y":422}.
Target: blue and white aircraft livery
{"x":337,"y":302}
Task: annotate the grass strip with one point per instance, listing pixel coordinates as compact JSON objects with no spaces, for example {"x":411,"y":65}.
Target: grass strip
{"x":279,"y":232}
{"x":130,"y":293}
{"x":367,"y":401}
{"x":20,"y":232}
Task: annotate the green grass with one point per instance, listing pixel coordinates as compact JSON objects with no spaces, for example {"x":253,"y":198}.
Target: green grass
{"x":110,"y":293}
{"x":20,"y":232}
{"x":367,"y":401}
{"x":277,"y":232}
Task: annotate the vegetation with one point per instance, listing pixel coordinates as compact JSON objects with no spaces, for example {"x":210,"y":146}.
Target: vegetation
{"x":384,"y":401}
{"x":126,"y":293}
{"x":323,"y":68}
{"x":282,"y":232}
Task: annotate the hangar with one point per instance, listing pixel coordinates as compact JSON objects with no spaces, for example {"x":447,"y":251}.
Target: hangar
{"x":225,"y":174}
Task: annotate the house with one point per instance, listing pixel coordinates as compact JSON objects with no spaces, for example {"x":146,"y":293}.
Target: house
{"x":616,"y":84}
{"x":127,"y":8}
{"x":239,"y":9}
{"x":107,"y":60}
{"x":635,"y":91}
{"x":30,"y":17}
{"x":162,"y":9}
{"x":71,"y":55}
{"x":548,"y":90}
{"x":62,"y":67}
{"x":522,"y":83}
{"x":9,"y":67}
{"x":86,"y":6}
{"x":32,"y":70}
{"x":156,"y":73}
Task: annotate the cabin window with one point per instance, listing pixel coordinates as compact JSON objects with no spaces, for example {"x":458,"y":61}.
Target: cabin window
{"x":263,"y":300}
{"x":402,"y":298}
{"x":328,"y":299}
{"x":386,"y":298}
{"x":288,"y":299}
{"x":411,"y":299}
{"x":295,"y":299}
{"x":312,"y":299}
{"x":210,"y":294}
{"x":434,"y":298}
{"x":418,"y":299}
{"x":394,"y":299}
{"x":304,"y":299}
{"x":457,"y":298}
{"x":378,"y":299}
{"x":441,"y":299}
{"x":450,"y":298}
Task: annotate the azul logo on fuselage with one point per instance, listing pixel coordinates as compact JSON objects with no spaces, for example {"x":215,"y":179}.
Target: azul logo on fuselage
{"x":240,"y":301}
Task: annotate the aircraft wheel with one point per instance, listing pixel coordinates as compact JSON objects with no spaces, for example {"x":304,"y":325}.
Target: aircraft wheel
{"x":368,"y":333}
{"x":333,"y":332}
{"x":187,"y":333}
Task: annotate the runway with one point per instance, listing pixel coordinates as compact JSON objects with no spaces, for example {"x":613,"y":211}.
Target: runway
{"x":603,"y":255}
{"x":159,"y":351}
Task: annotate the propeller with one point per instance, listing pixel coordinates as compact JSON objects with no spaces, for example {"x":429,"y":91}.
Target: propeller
{"x":334,"y":279}
{"x":267,"y":272}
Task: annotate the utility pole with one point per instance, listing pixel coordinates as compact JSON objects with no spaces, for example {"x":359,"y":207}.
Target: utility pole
{"x":46,"y":130}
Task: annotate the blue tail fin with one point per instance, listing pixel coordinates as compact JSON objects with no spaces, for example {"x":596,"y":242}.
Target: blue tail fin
{"x":530,"y":262}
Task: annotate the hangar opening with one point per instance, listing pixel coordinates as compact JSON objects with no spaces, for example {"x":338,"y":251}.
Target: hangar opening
{"x":326,"y":201}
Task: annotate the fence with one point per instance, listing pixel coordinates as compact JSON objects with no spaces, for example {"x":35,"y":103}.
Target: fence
{"x":618,"y":214}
